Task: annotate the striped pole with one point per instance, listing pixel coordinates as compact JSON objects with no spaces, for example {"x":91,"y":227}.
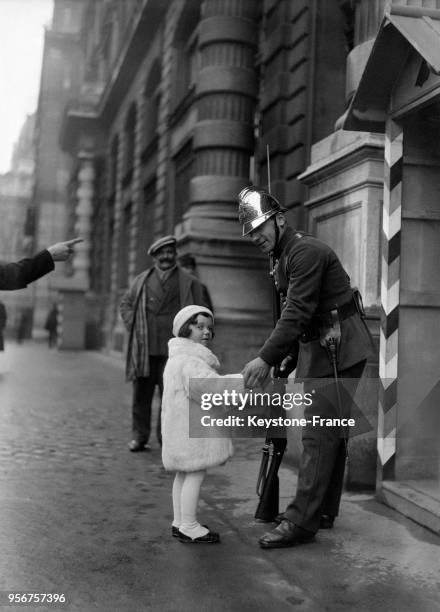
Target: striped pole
{"x":390,"y":295}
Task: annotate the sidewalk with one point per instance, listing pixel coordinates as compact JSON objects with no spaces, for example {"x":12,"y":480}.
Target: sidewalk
{"x":83,"y":516}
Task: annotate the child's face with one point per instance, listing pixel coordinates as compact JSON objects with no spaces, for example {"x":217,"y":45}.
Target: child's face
{"x":202,"y":330}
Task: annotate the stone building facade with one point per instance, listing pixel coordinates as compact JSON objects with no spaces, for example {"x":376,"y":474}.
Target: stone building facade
{"x":16,"y":188}
{"x":175,"y":108}
{"x":48,"y":213}
{"x":177,"y":105}
{"x":171,"y":115}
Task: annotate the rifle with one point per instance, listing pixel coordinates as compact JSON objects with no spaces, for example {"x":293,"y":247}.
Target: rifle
{"x":268,"y":488}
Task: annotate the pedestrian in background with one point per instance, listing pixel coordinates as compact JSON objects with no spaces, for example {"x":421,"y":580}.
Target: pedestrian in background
{"x":147,"y":310}
{"x":20,"y":326}
{"x":189,"y":357}
{"x":51,"y":326}
{"x":3,"y":320}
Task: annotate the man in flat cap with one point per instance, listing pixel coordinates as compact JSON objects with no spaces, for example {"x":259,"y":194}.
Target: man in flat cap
{"x":147,"y":310}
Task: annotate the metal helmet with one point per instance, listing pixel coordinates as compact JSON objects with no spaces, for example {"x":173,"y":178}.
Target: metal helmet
{"x":256,"y":206}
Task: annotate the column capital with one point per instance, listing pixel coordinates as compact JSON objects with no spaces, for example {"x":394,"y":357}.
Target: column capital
{"x":84,"y":155}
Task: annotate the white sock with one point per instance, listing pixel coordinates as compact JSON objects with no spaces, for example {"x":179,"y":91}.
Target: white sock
{"x":193,"y":530}
{"x":177,"y":493}
{"x":189,"y":500}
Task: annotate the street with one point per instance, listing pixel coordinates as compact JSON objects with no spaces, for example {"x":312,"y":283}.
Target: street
{"x":82,"y":516}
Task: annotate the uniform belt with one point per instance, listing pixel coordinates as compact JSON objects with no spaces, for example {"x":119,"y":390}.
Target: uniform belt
{"x":325,"y":319}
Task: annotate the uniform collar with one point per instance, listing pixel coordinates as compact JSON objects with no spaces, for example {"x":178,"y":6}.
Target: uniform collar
{"x":287,"y":236}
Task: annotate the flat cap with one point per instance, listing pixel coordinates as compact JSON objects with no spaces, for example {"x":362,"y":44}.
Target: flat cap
{"x":161,"y":242}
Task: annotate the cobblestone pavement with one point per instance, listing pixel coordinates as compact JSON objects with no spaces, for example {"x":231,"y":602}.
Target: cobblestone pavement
{"x":81,"y":515}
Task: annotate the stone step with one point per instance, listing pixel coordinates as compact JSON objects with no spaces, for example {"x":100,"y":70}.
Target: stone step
{"x":419,"y":500}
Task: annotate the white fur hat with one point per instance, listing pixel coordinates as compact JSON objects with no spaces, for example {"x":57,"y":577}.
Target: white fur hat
{"x":187,"y":313}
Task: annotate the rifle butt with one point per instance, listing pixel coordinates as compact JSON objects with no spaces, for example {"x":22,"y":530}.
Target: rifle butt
{"x":268,"y":506}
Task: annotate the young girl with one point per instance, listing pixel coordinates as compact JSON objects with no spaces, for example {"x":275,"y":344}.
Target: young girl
{"x":189,"y":357}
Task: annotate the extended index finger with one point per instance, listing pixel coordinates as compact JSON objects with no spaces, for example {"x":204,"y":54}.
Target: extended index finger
{"x":74,"y":241}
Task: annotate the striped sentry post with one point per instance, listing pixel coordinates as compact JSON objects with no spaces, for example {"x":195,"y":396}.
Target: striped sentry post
{"x":390,"y":291}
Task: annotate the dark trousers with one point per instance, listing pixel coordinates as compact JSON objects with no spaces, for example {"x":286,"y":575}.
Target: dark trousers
{"x":322,"y":464}
{"x":143,"y":392}
{"x":52,"y":339}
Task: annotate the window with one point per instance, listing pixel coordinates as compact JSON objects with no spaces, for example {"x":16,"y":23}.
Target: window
{"x":184,"y":169}
{"x":130,"y":143}
{"x":152,"y":103}
{"x":146,"y":223}
{"x":109,"y":243}
{"x":107,"y":44}
{"x":186,"y":53}
{"x":113,"y":166}
{"x":124,"y":246}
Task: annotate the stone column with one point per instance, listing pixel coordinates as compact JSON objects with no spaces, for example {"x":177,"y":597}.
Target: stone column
{"x":83,"y":213}
{"x":223,"y":143}
{"x":72,"y":290}
{"x":226,"y":93}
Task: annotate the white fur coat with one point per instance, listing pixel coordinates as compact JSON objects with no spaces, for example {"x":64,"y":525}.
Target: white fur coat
{"x":186,"y":360}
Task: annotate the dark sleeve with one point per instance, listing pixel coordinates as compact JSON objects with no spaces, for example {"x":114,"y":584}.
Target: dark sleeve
{"x":207,"y":298}
{"x":306,"y":266}
{"x":18,"y":275}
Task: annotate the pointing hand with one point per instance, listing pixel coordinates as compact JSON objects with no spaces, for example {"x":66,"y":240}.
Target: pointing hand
{"x":62,"y":250}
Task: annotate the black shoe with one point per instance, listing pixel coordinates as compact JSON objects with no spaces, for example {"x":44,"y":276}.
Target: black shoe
{"x":175,"y":530}
{"x":286,"y":534}
{"x":326,"y":521}
{"x":210,"y":538}
{"x":136,"y":447}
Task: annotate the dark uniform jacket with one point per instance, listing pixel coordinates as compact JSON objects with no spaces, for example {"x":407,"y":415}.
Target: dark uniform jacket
{"x":18,"y":275}
{"x":313,"y":281}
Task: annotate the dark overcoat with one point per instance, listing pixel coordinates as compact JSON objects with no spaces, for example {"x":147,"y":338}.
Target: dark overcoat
{"x":133,"y":314}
